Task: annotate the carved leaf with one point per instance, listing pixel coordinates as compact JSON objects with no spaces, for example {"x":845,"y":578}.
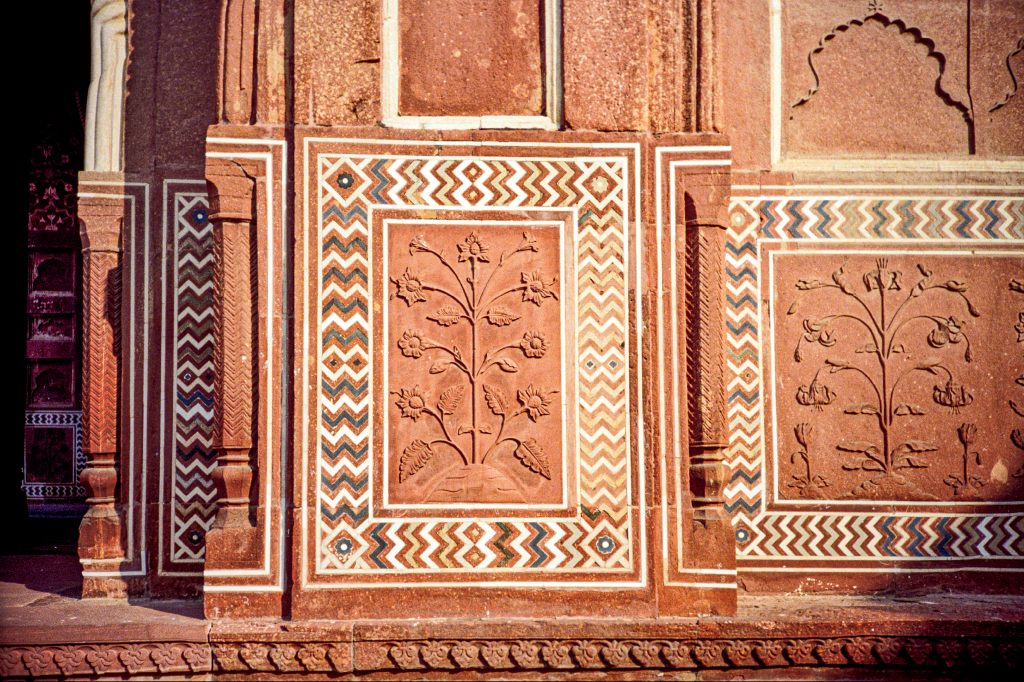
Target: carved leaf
{"x":456,"y":353}
{"x":507,"y":365}
{"x":864,"y":464}
{"x":415,"y":455}
{"x":446,"y":316}
{"x":907,"y":408}
{"x":858,"y":446}
{"x":918,"y":446}
{"x":496,"y":399}
{"x":898,"y":348}
{"x":867,"y":348}
{"x":797,"y":355}
{"x":1018,"y":438}
{"x":792,"y":308}
{"x":501,"y":316}
{"x":440,"y":366}
{"x":928,"y":366}
{"x":450,"y":399}
{"x":861,"y":408}
{"x":806,"y":284}
{"x":533,"y":458}
{"x":837,"y":364}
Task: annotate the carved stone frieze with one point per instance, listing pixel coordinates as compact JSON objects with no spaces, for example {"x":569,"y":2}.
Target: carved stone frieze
{"x":669,"y":654}
{"x":114,"y":660}
{"x":509,"y":656}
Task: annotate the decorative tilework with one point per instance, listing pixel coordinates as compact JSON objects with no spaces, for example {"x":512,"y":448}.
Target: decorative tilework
{"x":600,"y":536}
{"x":764,"y":534}
{"x":192,"y":490}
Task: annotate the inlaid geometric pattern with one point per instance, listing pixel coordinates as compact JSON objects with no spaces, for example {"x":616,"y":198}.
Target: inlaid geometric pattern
{"x":600,"y":535}
{"x":766,"y":534}
{"x":193,"y":494}
{"x":59,"y":420}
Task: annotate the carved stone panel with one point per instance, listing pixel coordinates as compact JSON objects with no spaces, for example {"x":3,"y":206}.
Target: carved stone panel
{"x":475,"y":385}
{"x":472,"y":343}
{"x":888,"y":374}
{"x":472,"y":58}
{"x":845,"y":476}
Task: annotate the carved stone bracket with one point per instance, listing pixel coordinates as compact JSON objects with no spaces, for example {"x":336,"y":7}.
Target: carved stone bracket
{"x":101,"y":219}
{"x":231,"y":192}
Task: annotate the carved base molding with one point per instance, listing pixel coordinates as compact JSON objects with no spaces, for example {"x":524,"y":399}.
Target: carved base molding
{"x":513,"y":658}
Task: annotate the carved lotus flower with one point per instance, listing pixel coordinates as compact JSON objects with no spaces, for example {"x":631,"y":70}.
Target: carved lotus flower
{"x":946,"y":331}
{"x":410,"y":288}
{"x":816,"y":331}
{"x":537,"y":289}
{"x":883,"y":278}
{"x":473,"y":248}
{"x":535,"y":402}
{"x":952,"y":395}
{"x":412,"y":402}
{"x":534,"y":345}
{"x":412,"y":344}
{"x":815,"y":395}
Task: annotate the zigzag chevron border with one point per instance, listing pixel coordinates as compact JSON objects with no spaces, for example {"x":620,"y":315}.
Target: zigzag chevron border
{"x":192,"y":496}
{"x":764,"y":534}
{"x":600,"y":538}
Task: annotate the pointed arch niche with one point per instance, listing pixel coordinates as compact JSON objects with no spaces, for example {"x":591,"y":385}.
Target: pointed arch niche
{"x":877,"y":88}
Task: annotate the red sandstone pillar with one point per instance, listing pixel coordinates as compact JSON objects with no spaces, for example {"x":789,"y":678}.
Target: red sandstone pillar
{"x":231,"y":210}
{"x":706,"y":204}
{"x":100,"y":544}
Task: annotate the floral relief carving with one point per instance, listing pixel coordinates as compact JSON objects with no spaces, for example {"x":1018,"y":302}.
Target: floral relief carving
{"x":808,"y":486}
{"x":885,"y":314}
{"x":472,"y":304}
{"x":1017,"y":435}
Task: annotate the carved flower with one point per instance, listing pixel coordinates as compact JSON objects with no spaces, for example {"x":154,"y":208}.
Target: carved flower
{"x":536,"y":289}
{"x":534,"y":345}
{"x":473,"y":249}
{"x":883,"y":278}
{"x":529,"y":243}
{"x":535,"y":402}
{"x":410,"y":288}
{"x":418,"y":244}
{"x":968,"y":433}
{"x":952,"y":395}
{"x":412,"y":402}
{"x":816,"y":395}
{"x":946,"y":331}
{"x":803,"y":432}
{"x":816,"y":331}
{"x":412,"y":344}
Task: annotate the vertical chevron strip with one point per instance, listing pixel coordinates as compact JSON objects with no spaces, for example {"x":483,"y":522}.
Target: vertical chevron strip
{"x":767,"y":534}
{"x":192,"y":487}
{"x":348,"y":538}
